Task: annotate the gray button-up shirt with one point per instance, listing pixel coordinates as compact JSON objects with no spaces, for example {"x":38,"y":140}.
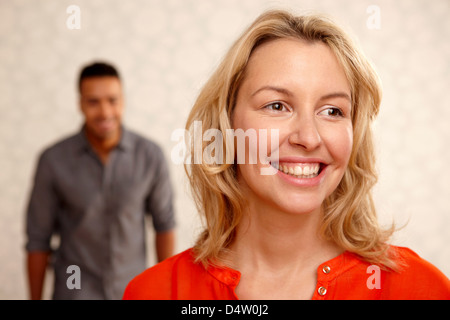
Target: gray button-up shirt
{"x":98,"y":211}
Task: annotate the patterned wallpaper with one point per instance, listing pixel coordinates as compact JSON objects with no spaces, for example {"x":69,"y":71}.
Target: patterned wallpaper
{"x":166,"y":49}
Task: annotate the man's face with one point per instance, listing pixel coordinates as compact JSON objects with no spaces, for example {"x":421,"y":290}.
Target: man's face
{"x":102,"y":105}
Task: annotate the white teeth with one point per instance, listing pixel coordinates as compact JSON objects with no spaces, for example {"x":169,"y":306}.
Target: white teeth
{"x":306,"y":171}
{"x":301,"y":171}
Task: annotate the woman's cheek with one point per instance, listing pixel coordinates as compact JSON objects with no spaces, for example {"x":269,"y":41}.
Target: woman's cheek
{"x":340,"y":143}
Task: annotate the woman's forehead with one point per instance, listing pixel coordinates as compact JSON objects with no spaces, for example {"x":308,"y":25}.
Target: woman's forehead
{"x":295,"y":65}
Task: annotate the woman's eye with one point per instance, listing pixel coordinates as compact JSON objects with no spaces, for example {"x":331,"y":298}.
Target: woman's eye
{"x":332,"y":112}
{"x":276,"y":106}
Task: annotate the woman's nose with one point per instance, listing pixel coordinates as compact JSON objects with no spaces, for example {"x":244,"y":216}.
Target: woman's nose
{"x":304,"y":133}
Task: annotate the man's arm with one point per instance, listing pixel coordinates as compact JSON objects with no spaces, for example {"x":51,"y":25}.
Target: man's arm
{"x":37,"y":262}
{"x":165,"y":244}
{"x":160,"y":206}
{"x":40,"y":222}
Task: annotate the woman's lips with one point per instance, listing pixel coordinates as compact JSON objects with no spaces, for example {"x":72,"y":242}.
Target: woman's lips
{"x":303,"y":172}
{"x":300,"y":170}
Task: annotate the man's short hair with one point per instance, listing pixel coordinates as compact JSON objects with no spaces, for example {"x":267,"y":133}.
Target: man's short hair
{"x":97,"y":69}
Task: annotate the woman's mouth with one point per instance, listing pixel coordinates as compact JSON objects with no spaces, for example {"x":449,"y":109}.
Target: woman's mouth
{"x":299,"y":170}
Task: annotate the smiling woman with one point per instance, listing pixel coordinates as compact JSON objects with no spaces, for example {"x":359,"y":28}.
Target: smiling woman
{"x":310,"y":230}
{"x":314,"y":124}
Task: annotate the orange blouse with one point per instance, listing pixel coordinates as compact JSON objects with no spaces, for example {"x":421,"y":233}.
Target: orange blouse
{"x":346,"y":276}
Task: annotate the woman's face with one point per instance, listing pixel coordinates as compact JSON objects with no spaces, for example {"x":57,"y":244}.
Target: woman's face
{"x":299,"y":89}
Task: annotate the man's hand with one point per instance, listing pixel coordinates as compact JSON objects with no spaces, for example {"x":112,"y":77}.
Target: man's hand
{"x":37,"y":262}
{"x":165,"y":244}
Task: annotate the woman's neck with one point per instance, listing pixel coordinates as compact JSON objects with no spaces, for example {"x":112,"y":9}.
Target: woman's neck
{"x":273,"y":248}
{"x":267,"y":238}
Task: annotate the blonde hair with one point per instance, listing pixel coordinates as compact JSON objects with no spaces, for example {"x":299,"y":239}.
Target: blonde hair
{"x":350,"y":218}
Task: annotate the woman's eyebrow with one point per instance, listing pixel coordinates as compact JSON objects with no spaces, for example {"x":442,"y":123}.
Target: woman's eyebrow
{"x":273,"y":88}
{"x":289,"y":93}
{"x":336,"y":95}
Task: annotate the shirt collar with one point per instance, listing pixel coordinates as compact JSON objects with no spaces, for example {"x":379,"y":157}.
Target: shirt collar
{"x":226,"y":275}
{"x":126,"y":141}
{"x":335,"y":267}
{"x":326,"y":271}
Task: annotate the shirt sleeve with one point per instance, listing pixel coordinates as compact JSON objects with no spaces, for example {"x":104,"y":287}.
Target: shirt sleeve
{"x":42,"y":207}
{"x":159,"y":202}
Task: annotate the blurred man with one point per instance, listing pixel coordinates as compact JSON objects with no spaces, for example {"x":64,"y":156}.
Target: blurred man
{"x":93,"y":190}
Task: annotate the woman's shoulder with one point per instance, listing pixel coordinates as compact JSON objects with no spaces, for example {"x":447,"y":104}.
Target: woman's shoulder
{"x":413,"y":279}
{"x":411,"y":263}
{"x":416,"y":278}
{"x":155,"y":283}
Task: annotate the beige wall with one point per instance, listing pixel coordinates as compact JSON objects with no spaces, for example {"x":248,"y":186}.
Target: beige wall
{"x":165,"y":51}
